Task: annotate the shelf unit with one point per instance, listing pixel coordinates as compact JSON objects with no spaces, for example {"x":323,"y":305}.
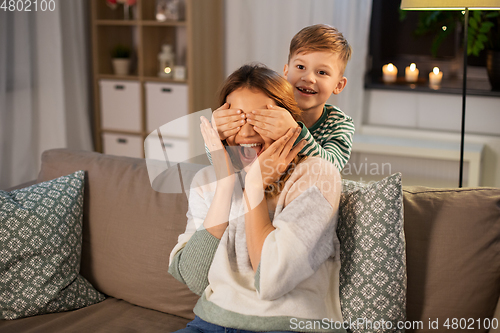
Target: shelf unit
{"x":198,"y":43}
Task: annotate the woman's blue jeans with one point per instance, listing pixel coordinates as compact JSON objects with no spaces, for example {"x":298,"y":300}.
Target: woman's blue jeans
{"x":198,"y":325}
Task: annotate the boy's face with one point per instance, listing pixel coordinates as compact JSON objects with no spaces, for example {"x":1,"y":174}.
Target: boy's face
{"x":314,"y":76}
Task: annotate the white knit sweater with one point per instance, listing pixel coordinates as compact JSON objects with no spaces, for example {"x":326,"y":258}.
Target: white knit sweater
{"x":297,"y":282}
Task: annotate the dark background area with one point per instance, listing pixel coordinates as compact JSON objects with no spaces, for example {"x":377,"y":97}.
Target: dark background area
{"x":393,"y":40}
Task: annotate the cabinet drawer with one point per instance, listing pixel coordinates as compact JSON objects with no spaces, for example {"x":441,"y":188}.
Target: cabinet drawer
{"x":122,"y":145}
{"x":120,"y":105}
{"x":177,"y":149}
{"x":166,"y":102}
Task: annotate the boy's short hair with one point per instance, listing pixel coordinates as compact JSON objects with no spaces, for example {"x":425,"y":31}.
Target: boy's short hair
{"x":321,"y":37}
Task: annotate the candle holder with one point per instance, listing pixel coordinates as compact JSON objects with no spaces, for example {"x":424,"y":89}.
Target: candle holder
{"x":166,"y":61}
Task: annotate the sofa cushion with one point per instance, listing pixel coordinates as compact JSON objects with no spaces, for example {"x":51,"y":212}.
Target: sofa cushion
{"x":40,"y":249}
{"x":128,"y":229}
{"x":111,"y":315}
{"x":453,"y":254}
{"x":372,"y":254}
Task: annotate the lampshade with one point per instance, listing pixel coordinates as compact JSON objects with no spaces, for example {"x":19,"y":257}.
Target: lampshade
{"x":450,"y":4}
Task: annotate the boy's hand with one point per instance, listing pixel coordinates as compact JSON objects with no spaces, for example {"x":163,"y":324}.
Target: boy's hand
{"x":228,"y":121}
{"x":273,"y":122}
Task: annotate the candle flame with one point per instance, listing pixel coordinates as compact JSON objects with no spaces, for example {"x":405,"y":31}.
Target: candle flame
{"x":168,"y":70}
{"x":435,"y":70}
{"x":390,"y":67}
{"x":413,"y":66}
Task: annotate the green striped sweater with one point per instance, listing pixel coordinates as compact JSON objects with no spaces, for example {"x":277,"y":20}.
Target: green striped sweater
{"x":330,"y":137}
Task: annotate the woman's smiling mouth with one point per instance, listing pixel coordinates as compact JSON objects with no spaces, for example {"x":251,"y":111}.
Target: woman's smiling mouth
{"x":249,"y":151}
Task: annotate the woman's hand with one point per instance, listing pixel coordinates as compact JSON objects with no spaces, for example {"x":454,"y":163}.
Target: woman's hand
{"x":217,"y":217}
{"x":269,"y":166}
{"x":274,"y":160}
{"x":221,"y":161}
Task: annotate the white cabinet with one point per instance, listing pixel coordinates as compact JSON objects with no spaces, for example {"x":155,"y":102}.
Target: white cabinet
{"x":141,"y":101}
{"x":167,"y":102}
{"x":431,"y":111}
{"x":122,"y":145}
{"x":120,"y":105}
{"x":167,"y":110}
{"x":175,"y":150}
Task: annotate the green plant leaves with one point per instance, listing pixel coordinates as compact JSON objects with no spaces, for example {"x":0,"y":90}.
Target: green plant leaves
{"x":483,"y":33}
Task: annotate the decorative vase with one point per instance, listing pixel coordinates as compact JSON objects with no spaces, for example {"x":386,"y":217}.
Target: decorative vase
{"x":121,"y":66}
{"x":126,"y":12}
{"x":493,"y":68}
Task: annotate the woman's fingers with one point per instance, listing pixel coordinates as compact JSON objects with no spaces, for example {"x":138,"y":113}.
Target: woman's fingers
{"x":278,"y":145}
{"x":285,"y":143}
{"x":295,"y":151}
{"x":291,"y":141}
{"x":220,"y":159}
{"x":204,"y":131}
{"x":210,"y":135}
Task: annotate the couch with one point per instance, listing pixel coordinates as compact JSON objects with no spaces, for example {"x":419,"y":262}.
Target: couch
{"x":452,"y":252}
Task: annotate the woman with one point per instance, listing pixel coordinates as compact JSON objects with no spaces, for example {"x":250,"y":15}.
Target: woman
{"x":260,"y":247}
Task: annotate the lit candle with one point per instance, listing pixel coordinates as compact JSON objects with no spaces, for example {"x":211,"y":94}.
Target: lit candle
{"x":435,"y":78}
{"x":390,"y":73}
{"x":411,"y":73}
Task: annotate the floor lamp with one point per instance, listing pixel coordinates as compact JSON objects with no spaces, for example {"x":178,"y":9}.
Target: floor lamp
{"x":464,"y":5}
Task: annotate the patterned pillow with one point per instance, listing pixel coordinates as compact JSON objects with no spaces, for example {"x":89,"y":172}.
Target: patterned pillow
{"x":372,"y":254}
{"x":40,"y":247}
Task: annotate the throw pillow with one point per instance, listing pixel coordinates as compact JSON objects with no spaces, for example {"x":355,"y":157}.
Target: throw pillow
{"x":40,"y":249}
{"x":372,"y":254}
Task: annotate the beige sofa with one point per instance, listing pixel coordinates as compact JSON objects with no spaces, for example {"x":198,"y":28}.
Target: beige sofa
{"x":452,"y":239}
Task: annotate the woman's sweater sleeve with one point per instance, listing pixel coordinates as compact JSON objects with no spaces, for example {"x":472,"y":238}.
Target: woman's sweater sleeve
{"x":191,"y":258}
{"x":190,"y":265}
{"x":305,"y":234}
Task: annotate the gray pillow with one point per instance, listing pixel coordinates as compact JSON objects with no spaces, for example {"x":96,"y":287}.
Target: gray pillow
{"x":372,"y":254}
{"x":40,"y":249}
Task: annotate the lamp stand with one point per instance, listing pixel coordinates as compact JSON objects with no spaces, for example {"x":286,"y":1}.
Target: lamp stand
{"x":464,"y":92}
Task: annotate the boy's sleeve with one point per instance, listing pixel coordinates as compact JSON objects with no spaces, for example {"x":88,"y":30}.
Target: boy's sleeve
{"x":335,"y":145}
{"x":207,"y":151}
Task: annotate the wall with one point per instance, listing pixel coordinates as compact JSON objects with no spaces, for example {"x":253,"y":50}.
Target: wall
{"x":436,"y":117}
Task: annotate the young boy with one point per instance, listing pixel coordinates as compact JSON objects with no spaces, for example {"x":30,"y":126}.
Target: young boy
{"x":316,"y":63}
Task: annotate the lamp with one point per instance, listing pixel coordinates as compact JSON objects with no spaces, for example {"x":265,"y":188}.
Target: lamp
{"x":455,"y":5}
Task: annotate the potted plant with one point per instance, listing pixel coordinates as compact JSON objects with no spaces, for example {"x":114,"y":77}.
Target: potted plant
{"x":484,"y":34}
{"x":120,"y":55}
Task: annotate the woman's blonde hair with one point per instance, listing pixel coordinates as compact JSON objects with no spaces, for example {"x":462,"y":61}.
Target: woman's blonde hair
{"x":261,"y":78}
